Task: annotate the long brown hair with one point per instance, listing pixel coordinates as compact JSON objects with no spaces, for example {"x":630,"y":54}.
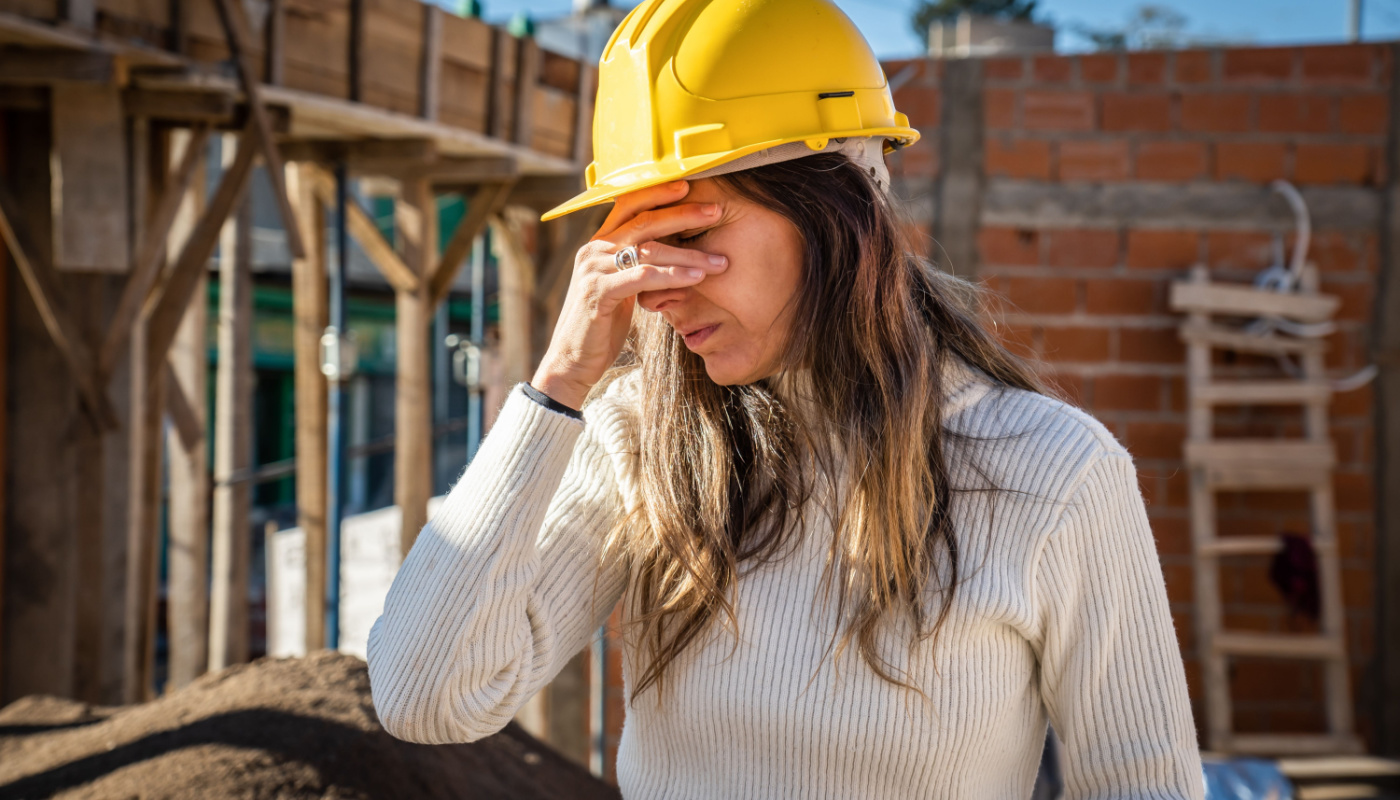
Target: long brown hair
{"x":725,"y":471}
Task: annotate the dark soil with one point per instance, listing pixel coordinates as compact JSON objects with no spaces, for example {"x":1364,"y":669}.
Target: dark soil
{"x":276,"y":728}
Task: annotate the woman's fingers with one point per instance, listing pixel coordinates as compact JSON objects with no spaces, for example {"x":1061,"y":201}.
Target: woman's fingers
{"x":658,"y":223}
{"x":630,"y":204}
{"x":671,"y":256}
{"x":619,"y":286}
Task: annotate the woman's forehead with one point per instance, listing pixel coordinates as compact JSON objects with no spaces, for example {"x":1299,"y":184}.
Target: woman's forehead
{"x":704,"y":190}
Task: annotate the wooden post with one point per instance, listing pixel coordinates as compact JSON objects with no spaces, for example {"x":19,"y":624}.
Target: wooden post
{"x":309,"y":307}
{"x":416,"y":216}
{"x":90,"y":478}
{"x":517,"y":290}
{"x":188,"y":599}
{"x":233,"y":431}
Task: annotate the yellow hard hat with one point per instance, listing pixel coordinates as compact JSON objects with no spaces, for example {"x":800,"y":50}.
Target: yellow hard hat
{"x":686,"y":85}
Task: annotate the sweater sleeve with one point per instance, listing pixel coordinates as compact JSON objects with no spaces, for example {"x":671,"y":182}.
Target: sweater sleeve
{"x":503,"y":585}
{"x":1111,"y":673}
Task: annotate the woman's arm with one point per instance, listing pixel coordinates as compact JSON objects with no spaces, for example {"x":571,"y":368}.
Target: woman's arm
{"x":504,"y":584}
{"x":1111,"y":676}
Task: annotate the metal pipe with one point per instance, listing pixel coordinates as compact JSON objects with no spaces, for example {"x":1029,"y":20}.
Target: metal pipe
{"x":1354,"y":22}
{"x":597,"y":698}
{"x":336,"y":429}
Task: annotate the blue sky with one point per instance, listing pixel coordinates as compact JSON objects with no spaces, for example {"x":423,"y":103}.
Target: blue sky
{"x":885,"y":22}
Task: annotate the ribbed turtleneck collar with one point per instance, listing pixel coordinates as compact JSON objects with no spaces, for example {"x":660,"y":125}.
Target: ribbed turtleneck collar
{"x":962,"y":384}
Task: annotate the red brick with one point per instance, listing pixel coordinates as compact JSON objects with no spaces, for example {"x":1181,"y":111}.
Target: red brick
{"x":1127,"y":393}
{"x":1003,"y":69}
{"x":1259,"y":64}
{"x":999,"y":108}
{"x":1093,"y":160}
{"x":1083,"y":248}
{"x":1364,"y":113}
{"x":1053,"y":69}
{"x":1171,"y":161}
{"x":1163,"y":249}
{"x":1357,"y":298}
{"x":1215,"y":113}
{"x":1115,"y":297}
{"x":1076,"y":344}
{"x":921,"y":104}
{"x":1069,"y":387}
{"x":920,"y":160}
{"x":1335,"y":163}
{"x":1239,"y":249}
{"x":1150,"y":346}
{"x":1020,"y":339}
{"x":1099,"y":67}
{"x":1194,"y":66}
{"x":1009,"y":246}
{"x":1295,"y":113}
{"x":1251,"y":161}
{"x":1057,"y":110}
{"x":1337,"y":252}
{"x":1018,"y":158}
{"x":1155,"y":439}
{"x":1136,"y":112}
{"x":1040,"y":295}
{"x":1145,"y":68}
{"x":1339,"y":64}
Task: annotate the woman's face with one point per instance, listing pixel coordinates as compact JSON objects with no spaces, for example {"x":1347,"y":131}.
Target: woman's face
{"x":737,"y":320}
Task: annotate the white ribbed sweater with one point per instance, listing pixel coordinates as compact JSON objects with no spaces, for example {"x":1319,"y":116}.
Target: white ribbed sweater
{"x":1061,"y":615}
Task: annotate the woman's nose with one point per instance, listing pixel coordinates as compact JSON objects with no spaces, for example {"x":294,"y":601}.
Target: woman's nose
{"x":661,"y":299}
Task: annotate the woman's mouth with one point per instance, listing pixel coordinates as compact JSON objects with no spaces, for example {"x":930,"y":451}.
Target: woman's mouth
{"x":697,"y":337}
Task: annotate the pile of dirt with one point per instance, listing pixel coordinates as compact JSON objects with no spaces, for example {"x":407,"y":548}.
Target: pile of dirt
{"x":276,"y":728}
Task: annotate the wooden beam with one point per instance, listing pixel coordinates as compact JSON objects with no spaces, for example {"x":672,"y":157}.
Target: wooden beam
{"x":80,"y":14}
{"x":362,"y":227}
{"x":35,"y":67}
{"x":487,"y":200}
{"x":356,"y":52}
{"x":499,"y":98}
{"x":186,"y":610}
{"x":233,"y":436}
{"x":183,"y":275}
{"x":416,"y":215}
{"x":527,"y":77}
{"x":583,"y":122}
{"x":231,"y":15}
{"x":465,"y":171}
{"x":89,"y":467}
{"x":517,"y":290}
{"x":43,"y":286}
{"x":543,"y":192}
{"x":309,"y":309}
{"x":430,"y":80}
{"x":88,"y":170}
{"x":275,"y":68}
{"x":209,"y":108}
{"x":151,"y":248}
{"x":557,"y":265}
{"x":365,"y":156}
{"x":23,"y":98}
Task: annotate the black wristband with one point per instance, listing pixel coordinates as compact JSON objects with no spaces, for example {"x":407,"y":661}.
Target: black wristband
{"x":549,"y":402}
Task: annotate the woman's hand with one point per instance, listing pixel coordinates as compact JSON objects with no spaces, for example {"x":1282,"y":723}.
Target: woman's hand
{"x":597,"y":311}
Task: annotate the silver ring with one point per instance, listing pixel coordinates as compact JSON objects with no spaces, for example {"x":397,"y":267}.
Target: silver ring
{"x":626,"y":258}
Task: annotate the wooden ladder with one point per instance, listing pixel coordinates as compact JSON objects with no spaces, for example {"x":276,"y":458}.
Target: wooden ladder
{"x":1261,"y":465}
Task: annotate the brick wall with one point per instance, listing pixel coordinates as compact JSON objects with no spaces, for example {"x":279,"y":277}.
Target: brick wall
{"x":1103,"y":178}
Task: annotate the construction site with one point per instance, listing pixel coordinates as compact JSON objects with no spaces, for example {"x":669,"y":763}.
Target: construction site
{"x":270,"y":268}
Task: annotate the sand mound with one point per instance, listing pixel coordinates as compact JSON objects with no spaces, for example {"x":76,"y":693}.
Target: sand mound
{"x":275,"y":728}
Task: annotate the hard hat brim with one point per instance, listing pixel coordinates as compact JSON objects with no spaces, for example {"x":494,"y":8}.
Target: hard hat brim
{"x":671,"y":171}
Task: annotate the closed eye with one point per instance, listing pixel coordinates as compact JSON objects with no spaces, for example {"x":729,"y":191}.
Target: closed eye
{"x":684,"y":240}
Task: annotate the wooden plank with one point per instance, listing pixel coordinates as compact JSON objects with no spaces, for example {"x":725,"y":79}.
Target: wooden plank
{"x":1281,"y":744}
{"x":1226,"y":339}
{"x":1246,"y":301}
{"x":487,"y":201}
{"x":1385,"y":344}
{"x":88,"y":169}
{"x":392,"y":55}
{"x":1284,"y":645}
{"x":1302,"y":769}
{"x":187,"y":604}
{"x":231,"y":13}
{"x":1296,"y":453}
{"x":365,"y":156}
{"x":583,"y":121}
{"x":209,"y":108}
{"x":431,"y":80}
{"x":233,"y":436}
{"x":517,"y":290}
{"x":309,"y":310}
{"x":318,"y":28}
{"x":416,"y":217}
{"x":42,"y":283}
{"x":527,"y":78}
{"x":448,"y":173}
{"x":39,"y":67}
{"x":1253,"y":545}
{"x":1262,"y":392}
{"x":366,"y":232}
{"x":89,"y":529}
{"x":150,"y":250}
{"x":553,"y":114}
{"x":275,"y":68}
{"x":179,"y":285}
{"x":501,"y":105}
{"x":147,"y":585}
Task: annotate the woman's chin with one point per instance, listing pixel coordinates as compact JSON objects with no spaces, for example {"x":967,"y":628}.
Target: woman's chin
{"x":726,"y":373}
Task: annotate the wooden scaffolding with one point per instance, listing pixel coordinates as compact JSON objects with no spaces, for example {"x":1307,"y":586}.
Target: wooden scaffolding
{"x":107,"y":108}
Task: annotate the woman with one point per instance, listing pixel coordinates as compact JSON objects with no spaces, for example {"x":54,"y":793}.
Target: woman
{"x":859,"y":553}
